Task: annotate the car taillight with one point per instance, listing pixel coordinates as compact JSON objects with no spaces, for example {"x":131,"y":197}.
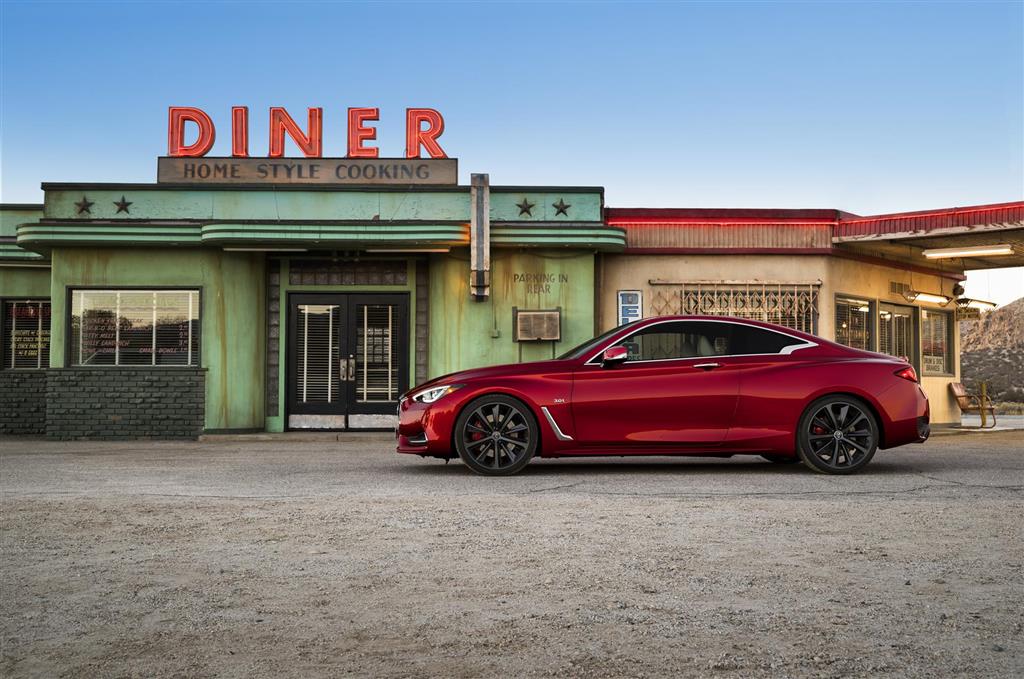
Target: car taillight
{"x":907,"y":373}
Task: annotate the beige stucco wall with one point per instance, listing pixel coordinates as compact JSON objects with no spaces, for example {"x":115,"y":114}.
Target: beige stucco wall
{"x":872,"y":281}
{"x":837,"y":275}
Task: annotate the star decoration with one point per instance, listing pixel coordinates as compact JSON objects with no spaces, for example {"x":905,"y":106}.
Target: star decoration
{"x":84,"y":205}
{"x":561,"y":208}
{"x":122,"y":205}
{"x":526,"y":207}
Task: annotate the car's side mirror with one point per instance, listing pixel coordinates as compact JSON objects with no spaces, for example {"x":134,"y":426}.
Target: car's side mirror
{"x":614,"y":356}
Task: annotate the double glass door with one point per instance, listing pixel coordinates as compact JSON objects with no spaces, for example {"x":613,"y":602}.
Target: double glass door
{"x":347,"y":360}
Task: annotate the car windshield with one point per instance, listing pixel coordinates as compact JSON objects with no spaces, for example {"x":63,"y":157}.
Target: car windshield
{"x":589,"y":345}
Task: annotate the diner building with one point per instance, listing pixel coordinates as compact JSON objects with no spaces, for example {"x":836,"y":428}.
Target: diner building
{"x":179,"y":308}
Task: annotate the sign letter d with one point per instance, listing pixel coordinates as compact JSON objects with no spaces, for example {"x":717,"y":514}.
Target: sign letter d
{"x":177,"y":116}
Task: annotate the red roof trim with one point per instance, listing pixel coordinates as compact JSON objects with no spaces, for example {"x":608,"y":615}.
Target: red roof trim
{"x":652,"y":221}
{"x":727,"y":251}
{"x":642,"y":215}
{"x":930,"y":220}
{"x":843,"y":223}
{"x":942,"y":212}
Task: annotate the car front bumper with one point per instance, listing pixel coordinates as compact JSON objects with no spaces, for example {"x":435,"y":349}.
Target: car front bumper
{"x":426,"y":428}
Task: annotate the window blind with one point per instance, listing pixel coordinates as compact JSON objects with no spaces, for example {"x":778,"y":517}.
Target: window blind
{"x":135,"y":327}
{"x":26,"y":334}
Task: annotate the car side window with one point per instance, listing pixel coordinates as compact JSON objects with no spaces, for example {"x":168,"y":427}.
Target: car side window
{"x":679,"y":339}
{"x":747,"y":339}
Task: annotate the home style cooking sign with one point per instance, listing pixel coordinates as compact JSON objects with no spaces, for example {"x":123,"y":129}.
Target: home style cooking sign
{"x":186,"y":163}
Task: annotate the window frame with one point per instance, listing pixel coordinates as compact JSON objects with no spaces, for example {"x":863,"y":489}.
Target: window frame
{"x":873,"y":303}
{"x":948,"y":358}
{"x":30,"y":298}
{"x":915,"y":331}
{"x":69,"y":292}
{"x":805,"y":344}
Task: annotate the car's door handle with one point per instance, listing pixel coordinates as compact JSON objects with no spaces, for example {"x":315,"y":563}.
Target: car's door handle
{"x":707,"y":366}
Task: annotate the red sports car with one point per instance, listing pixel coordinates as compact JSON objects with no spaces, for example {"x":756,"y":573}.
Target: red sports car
{"x":677,"y":385}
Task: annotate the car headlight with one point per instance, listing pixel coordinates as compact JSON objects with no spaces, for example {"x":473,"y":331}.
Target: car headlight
{"x":433,"y":393}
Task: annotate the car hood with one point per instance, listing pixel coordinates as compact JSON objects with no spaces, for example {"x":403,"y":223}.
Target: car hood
{"x":490,"y":372}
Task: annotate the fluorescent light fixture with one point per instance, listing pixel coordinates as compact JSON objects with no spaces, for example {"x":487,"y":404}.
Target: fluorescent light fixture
{"x":968,"y":303}
{"x":393,"y":250}
{"x":918,"y":296}
{"x":264,"y":249}
{"x":970,"y":251}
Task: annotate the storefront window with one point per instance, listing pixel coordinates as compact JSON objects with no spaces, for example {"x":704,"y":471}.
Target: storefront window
{"x":135,"y":327}
{"x":853,"y":322}
{"x":26,"y":334}
{"x":896,"y":331}
{"x":936,"y":344}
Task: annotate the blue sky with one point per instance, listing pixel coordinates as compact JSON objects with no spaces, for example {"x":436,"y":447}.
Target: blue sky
{"x":867,"y":107}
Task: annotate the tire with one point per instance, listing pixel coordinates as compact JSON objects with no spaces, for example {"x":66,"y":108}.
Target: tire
{"x":496,"y":435}
{"x":837,"y":435}
{"x":782,"y":459}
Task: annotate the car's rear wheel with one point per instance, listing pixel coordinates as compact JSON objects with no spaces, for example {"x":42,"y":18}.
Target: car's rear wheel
{"x":496,"y":435}
{"x":838,"y":435}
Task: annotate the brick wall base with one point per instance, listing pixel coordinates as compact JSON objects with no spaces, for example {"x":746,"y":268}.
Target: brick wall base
{"x":23,"y":401}
{"x":122,"y":403}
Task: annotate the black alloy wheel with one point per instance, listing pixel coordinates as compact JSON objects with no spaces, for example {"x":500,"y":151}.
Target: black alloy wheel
{"x":496,"y":435}
{"x":837,"y":435}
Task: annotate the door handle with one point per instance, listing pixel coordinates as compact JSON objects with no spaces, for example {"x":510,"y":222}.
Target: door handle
{"x":707,"y":366}
{"x":351,"y":372}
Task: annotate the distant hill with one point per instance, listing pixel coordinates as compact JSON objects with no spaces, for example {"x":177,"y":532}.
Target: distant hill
{"x":992,"y":350}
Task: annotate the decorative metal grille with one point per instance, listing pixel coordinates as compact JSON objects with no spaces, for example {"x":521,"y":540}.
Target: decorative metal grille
{"x":793,"y":305}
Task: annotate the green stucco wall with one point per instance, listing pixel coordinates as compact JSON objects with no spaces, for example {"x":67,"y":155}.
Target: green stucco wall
{"x":18,"y":281}
{"x":10,"y":217}
{"x":232,"y":317}
{"x":462,"y":331}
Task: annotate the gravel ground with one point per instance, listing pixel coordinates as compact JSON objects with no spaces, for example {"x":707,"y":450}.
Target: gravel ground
{"x":321,"y":558}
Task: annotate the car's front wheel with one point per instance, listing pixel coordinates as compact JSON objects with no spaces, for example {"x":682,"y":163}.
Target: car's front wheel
{"x":838,"y":435}
{"x":496,"y":435}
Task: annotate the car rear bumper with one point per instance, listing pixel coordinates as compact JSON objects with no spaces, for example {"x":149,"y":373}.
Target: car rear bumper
{"x":924,"y":429}
{"x":908,"y":414}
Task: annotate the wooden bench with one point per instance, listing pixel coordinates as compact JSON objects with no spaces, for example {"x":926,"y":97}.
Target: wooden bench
{"x":971,"y":403}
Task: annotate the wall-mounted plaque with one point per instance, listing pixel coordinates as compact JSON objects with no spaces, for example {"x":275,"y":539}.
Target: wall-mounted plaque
{"x":326,"y":171}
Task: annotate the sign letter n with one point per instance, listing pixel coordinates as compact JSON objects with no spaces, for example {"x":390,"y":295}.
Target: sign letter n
{"x":310,"y":142}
